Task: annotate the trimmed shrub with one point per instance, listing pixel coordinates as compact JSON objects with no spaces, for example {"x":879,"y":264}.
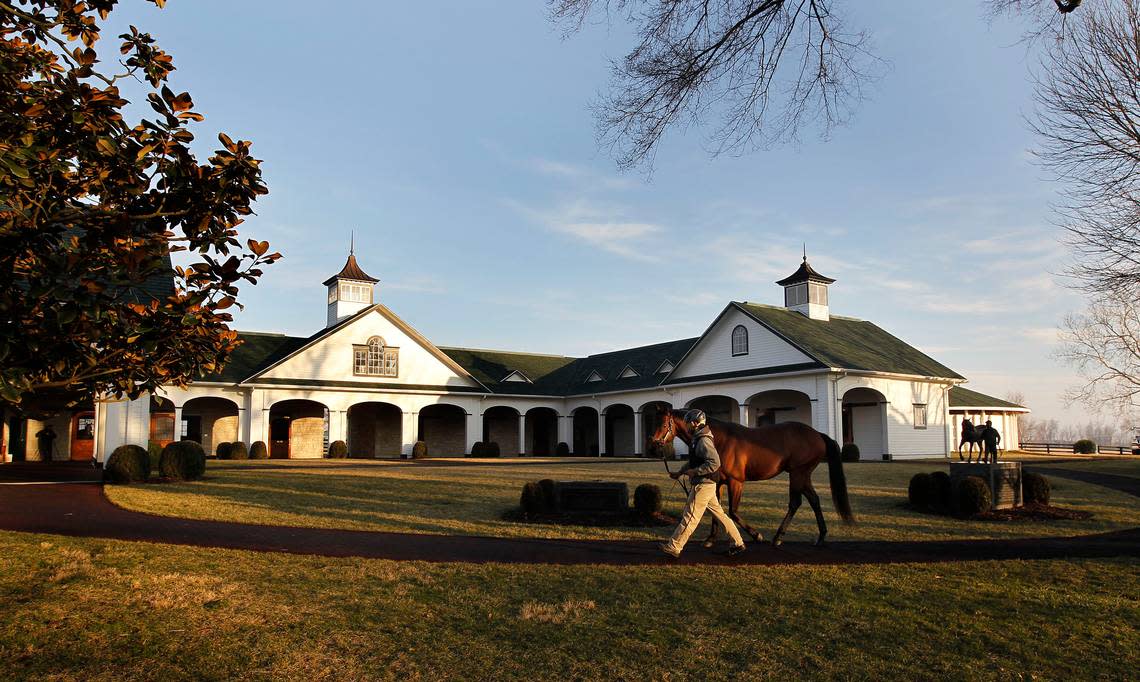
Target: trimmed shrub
{"x":850,"y":452}
{"x":549,"y":496}
{"x":477,"y":449}
{"x":154,"y":453}
{"x":562,"y":450}
{"x":973,"y":496}
{"x":419,"y":450}
{"x":127,"y":464}
{"x":182,"y":460}
{"x":1035,"y":488}
{"x":920,"y":492}
{"x":258,"y":450}
{"x":491,"y":449}
{"x":532,"y":500}
{"x":338,"y":449}
{"x":223,"y":450}
{"x":647,"y":499}
{"x":238,"y":450}
{"x":943,"y":492}
{"x":1084,"y":447}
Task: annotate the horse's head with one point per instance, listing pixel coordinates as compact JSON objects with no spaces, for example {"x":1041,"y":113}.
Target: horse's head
{"x":671,"y":424}
{"x":967,"y":426}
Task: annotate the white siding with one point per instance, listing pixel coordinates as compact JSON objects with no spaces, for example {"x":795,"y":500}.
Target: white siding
{"x":713,"y":353}
{"x":331,"y":357}
{"x":903,"y":439}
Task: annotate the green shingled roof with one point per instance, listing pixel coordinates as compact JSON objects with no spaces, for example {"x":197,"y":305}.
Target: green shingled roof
{"x":561,"y":375}
{"x":490,"y":367}
{"x":848,"y":343}
{"x":964,"y":397}
{"x":255,"y":352}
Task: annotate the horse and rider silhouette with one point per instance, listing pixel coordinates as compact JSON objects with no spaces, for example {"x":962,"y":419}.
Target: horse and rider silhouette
{"x":985,"y":437}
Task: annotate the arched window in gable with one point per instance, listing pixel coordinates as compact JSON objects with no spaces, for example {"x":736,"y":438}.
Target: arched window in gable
{"x":375,"y":358}
{"x":740,"y":340}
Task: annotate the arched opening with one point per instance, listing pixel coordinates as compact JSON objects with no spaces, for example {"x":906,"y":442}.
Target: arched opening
{"x":443,"y":428}
{"x":717,"y":407}
{"x":163,"y":430}
{"x":865,"y":422}
{"x":298,"y":429}
{"x":651,"y":414}
{"x":210,"y":421}
{"x":501,"y":425}
{"x":619,"y":431}
{"x":778,"y":406}
{"x":541,"y":431}
{"x":375,"y":430}
{"x":585,"y":432}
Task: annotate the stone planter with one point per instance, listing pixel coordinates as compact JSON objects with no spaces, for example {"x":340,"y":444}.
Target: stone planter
{"x":1004,"y":479}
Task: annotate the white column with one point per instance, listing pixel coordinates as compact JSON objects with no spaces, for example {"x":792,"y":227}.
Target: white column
{"x":474,"y":429}
{"x":638,"y":438}
{"x":565,"y":427}
{"x":178,"y":423}
{"x":744,"y":421}
{"x":601,"y":434}
{"x":243,"y":428}
{"x":338,"y":426}
{"x":522,"y":434}
{"x":409,"y":430}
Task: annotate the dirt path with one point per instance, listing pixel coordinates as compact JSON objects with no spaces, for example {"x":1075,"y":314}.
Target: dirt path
{"x":82,"y":510}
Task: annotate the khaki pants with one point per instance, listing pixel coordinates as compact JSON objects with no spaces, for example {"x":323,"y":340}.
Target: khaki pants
{"x":703,"y":496}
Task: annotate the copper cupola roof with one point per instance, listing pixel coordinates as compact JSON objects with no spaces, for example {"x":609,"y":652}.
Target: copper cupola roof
{"x":805,"y":273}
{"x":351,"y":271}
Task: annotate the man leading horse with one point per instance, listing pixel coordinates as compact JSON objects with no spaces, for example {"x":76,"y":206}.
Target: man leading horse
{"x":703,"y":468}
{"x":758,"y":454}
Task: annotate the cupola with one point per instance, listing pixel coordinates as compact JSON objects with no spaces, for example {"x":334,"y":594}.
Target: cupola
{"x":805,"y":291}
{"x":350,"y":291}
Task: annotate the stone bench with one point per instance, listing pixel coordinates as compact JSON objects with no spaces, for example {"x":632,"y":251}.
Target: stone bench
{"x":591,"y":497}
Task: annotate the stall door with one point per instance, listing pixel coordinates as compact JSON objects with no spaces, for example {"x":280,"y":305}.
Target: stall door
{"x":83,"y":436}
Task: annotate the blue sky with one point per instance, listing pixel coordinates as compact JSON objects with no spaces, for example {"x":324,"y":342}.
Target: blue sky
{"x":456,"y":139}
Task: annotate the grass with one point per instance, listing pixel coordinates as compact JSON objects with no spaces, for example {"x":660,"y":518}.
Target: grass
{"x":83,"y":609}
{"x":466,"y":499}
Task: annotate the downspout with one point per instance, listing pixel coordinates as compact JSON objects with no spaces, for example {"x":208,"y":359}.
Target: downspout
{"x":946,"y":420}
{"x":837,"y":408}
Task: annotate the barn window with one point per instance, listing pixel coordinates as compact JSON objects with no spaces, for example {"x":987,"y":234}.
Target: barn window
{"x":920,"y":416}
{"x":375,"y":359}
{"x":740,"y":340}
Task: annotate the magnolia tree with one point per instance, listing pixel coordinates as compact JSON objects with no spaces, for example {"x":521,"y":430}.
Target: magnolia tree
{"x":92,"y":206}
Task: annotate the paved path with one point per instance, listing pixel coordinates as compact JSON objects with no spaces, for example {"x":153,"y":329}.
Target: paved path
{"x":81,"y":510}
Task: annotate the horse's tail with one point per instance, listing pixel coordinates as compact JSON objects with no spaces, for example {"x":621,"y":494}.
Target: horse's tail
{"x":837,"y":479}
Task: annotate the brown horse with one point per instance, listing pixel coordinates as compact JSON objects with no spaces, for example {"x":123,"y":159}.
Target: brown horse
{"x":762,"y":453}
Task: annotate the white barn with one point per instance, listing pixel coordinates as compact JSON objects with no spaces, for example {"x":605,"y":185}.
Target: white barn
{"x":370,"y":379}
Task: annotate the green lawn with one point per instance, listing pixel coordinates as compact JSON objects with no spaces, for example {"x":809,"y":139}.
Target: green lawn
{"x":79,"y":609}
{"x":468,"y":499}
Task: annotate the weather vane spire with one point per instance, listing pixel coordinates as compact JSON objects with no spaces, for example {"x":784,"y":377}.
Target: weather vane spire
{"x":805,"y":252}
{"x":351,"y":242}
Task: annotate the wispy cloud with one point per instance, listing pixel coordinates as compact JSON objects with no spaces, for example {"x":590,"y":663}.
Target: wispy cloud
{"x":581,"y":174}
{"x":601,"y":226}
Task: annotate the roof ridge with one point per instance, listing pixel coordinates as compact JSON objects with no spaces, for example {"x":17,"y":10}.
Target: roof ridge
{"x":648,"y":345}
{"x":512,"y":352}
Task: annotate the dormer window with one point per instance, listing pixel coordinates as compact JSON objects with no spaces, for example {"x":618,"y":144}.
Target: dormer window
{"x":628,"y":373}
{"x":594,"y":376}
{"x":665,"y":367}
{"x":739,"y":340}
{"x":517,"y":377}
{"x":375,"y":359}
